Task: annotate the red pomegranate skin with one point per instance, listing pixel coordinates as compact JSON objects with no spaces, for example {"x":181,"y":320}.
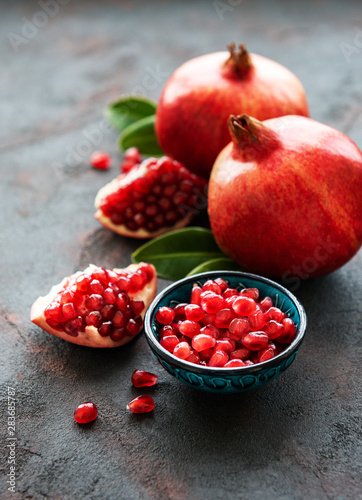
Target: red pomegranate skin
{"x":285,"y":198}
{"x":197,"y":100}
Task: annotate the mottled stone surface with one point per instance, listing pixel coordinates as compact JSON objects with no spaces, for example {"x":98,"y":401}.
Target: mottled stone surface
{"x":298,"y":437}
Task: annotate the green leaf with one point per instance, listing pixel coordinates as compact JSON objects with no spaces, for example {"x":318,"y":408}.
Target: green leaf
{"x":176,"y":253}
{"x":221,"y":264}
{"x":127,"y":110}
{"x":141,"y":135}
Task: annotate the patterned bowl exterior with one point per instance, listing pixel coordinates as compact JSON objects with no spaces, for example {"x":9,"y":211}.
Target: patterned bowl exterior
{"x":226,"y":380}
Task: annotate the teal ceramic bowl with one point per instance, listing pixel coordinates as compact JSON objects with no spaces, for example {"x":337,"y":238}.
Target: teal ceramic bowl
{"x":226,"y":380}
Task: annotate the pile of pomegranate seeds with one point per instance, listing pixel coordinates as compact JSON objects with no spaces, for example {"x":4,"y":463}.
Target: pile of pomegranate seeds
{"x":85,"y":413}
{"x":132,"y":157}
{"x":223,"y":327}
{"x":100,"y":160}
{"x":99,"y":298}
{"x":154,"y":194}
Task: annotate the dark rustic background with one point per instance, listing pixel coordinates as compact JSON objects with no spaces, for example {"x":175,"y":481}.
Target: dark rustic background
{"x":296,"y":438}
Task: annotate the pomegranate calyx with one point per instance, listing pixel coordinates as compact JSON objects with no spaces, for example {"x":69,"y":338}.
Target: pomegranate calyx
{"x":249,"y":133}
{"x":238,"y":63}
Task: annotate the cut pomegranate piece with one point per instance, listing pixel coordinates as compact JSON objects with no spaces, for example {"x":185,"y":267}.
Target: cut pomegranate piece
{"x":141,"y":404}
{"x":153,"y":197}
{"x":141,"y":378}
{"x":85,"y":413}
{"x":109,"y":318}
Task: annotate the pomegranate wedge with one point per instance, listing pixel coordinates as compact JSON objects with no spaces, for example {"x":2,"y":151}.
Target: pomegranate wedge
{"x":98,"y":307}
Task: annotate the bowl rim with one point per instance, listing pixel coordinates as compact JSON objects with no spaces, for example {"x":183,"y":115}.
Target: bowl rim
{"x":208,"y":370}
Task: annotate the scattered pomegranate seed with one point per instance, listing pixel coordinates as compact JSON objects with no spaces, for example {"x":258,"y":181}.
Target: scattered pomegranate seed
{"x":85,"y":413}
{"x":141,"y":404}
{"x":224,"y":327}
{"x":100,"y":160}
{"x":141,"y":378}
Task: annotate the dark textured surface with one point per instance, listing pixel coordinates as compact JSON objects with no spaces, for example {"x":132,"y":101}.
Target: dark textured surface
{"x":298,"y":437}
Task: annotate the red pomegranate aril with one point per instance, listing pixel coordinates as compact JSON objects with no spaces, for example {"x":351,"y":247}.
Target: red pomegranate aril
{"x":124,"y":283}
{"x":218,"y":359}
{"x":257,"y":319}
{"x":142,"y":378}
{"x":206,"y":355}
{"x":165,"y":315}
{"x":105,"y":329}
{"x":289,"y":332}
{"x":189,"y":328}
{"x":137,"y":306}
{"x":118,"y":334}
{"x":274,"y":313}
{"x":169,"y":342}
{"x":273,"y":329}
{"x":119,"y":319}
{"x":267,"y":353}
{"x":68,"y":311}
{"x":96,"y":287}
{"x":180,"y":311}
{"x":137,"y":282}
{"x":122,"y":301}
{"x":223,"y":284}
{"x":234,"y":363}
{"x":255,"y":340}
{"x":230,"y":292}
{"x":211,"y":286}
{"x":85,"y":413}
{"x":182,"y":350}
{"x":195,"y":294}
{"x":239,"y":327}
{"x":109,"y":296}
{"x":223,"y":318}
{"x":209,"y":319}
{"x":193,"y":312}
{"x":108,"y":311}
{"x":253,"y":293}
{"x":100,"y":160}
{"x":210,"y":330}
{"x":265,"y":304}
{"x":94,"y":302}
{"x":82,"y":282}
{"x":224,"y":344}
{"x":201,"y":342}
{"x":132,"y":327}
{"x":211,"y":302}
{"x":94,"y":318}
{"x":241,"y":353}
{"x":244,"y":306}
{"x":132,"y":157}
{"x":141,"y":404}
{"x":194,"y":358}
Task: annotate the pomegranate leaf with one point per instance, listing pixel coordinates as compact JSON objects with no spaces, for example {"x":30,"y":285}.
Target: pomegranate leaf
{"x":176,"y":253}
{"x":220,"y":264}
{"x":127,"y":110}
{"x":141,"y":135}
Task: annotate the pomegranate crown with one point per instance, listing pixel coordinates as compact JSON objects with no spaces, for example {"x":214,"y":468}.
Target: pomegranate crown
{"x":239,"y":61}
{"x":249,"y":133}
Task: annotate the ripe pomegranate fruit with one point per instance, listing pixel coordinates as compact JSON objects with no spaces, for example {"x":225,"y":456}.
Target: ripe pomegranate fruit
{"x":150,"y":199}
{"x":98,"y":307}
{"x":239,"y":334}
{"x":285,"y":197}
{"x":197,"y":100}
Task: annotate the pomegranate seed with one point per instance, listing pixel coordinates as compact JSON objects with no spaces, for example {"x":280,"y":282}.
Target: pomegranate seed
{"x":266,"y":354}
{"x":100,"y":160}
{"x":118,"y":334}
{"x":257,"y":320}
{"x":201,"y":342}
{"x":106,"y":329}
{"x":109,"y":296}
{"x":85,"y":413}
{"x":119,"y":319}
{"x":209,"y":319}
{"x":211,"y":286}
{"x":230,"y":292}
{"x":132,"y":157}
{"x":96,"y":287}
{"x":234,"y":363}
{"x":169,"y":342}
{"x":255,"y":340}
{"x":211,"y":302}
{"x":141,"y":378}
{"x":133,"y":327}
{"x":274,"y":313}
{"x":206,"y":355}
{"x":273,"y":329}
{"x":141,"y":404}
{"x":210,"y":330}
{"x":223,"y":284}
{"x":189,"y":328}
{"x":193,"y":312}
{"x":94,"y":318}
{"x":242,"y":353}
{"x":179,"y":312}
{"x":265,"y":304}
{"x":244,"y":306}
{"x":223,"y":318}
{"x":223,"y":344}
{"x":238,"y":327}
{"x":253,"y":293}
{"x":193,"y":358}
{"x":68,"y":311}
{"x":195,"y":294}
{"x":219,"y":358}
{"x":165,"y":315}
{"x":289,"y":332}
{"x":95,"y":302}
{"x":82,"y":282}
{"x":137,"y":306}
{"x":182,"y":350}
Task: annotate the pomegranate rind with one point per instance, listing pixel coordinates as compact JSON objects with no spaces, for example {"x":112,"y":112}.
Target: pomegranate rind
{"x":121,"y":229}
{"x":90,"y":337}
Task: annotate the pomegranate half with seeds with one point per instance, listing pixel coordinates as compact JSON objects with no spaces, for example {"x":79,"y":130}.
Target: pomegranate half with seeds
{"x":98,"y":307}
{"x":152,"y":198}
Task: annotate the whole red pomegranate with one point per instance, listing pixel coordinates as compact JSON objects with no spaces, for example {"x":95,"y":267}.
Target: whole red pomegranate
{"x":285,"y":197}
{"x":197,"y":100}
